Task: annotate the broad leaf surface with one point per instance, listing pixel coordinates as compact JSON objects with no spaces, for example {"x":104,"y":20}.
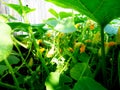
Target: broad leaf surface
{"x":6,"y":43}
{"x":80,"y":70}
{"x":52,"y":81}
{"x":102,"y":11}
{"x":66,"y":26}
{"x":86,"y":83}
{"x":56,"y":81}
{"x":13,"y":59}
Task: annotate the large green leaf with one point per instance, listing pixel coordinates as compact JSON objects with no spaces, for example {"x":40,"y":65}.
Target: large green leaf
{"x":102,"y":11}
{"x":80,"y":70}
{"x":86,"y":83}
{"x":6,"y":43}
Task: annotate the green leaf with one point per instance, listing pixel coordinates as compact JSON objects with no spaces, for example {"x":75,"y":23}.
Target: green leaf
{"x":18,"y":26}
{"x":53,"y":12}
{"x":13,"y":59}
{"x":66,"y":26}
{"x":84,"y":57}
{"x":65,"y":14}
{"x":6,"y":43}
{"x":51,"y":22}
{"x":60,"y":15}
{"x":2,"y":69}
{"x":102,"y":11}
{"x":64,"y":79}
{"x":56,"y":81}
{"x":20,"y":9}
{"x":86,"y":83}
{"x":80,"y":70}
{"x":3,"y":18}
{"x":52,"y":81}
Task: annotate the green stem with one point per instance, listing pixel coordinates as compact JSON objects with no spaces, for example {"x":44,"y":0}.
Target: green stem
{"x":12,"y":73}
{"x":38,"y":50}
{"x":22,"y":58}
{"x":66,"y":65}
{"x":5,"y":85}
{"x":24,"y":16}
{"x":119,"y":67}
{"x":103,"y":62}
{"x":32,"y":38}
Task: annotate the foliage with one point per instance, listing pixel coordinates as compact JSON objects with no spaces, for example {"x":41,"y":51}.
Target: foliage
{"x":98,"y":10}
{"x":63,"y":52}
{"x":6,"y":41}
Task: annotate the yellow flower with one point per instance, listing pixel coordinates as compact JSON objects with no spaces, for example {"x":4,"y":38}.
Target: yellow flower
{"x":30,"y":63}
{"x":82,"y":48}
{"x":112,"y":43}
{"x":42,"y":50}
{"x":92,"y":27}
{"x":39,"y":41}
{"x":48,"y":34}
{"x":77,"y":25}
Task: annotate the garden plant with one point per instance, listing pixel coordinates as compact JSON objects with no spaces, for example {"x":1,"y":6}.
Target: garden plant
{"x":69,"y":51}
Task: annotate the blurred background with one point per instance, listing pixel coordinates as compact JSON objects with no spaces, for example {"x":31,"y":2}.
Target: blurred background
{"x":41,"y":10}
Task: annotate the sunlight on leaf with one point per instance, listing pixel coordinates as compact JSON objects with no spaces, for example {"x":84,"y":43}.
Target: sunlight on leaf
{"x":52,"y":81}
{"x":3,"y":18}
{"x":6,"y":43}
{"x":20,"y":9}
{"x":66,"y":26}
{"x":53,"y":12}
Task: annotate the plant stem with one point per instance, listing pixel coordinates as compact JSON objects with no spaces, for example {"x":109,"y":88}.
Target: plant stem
{"x":38,"y":50}
{"x":32,"y":38}
{"x":24,"y":16}
{"x":8,"y":86}
{"x":119,"y":67}
{"x":12,"y":73}
{"x":103,"y":62}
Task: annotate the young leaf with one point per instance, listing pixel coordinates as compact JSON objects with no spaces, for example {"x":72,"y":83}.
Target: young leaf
{"x":65,"y":14}
{"x":20,"y":9}
{"x":66,"y":26}
{"x":102,"y":11}
{"x":6,"y":43}
{"x":53,"y":12}
{"x":86,"y":83}
{"x":52,"y":22}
